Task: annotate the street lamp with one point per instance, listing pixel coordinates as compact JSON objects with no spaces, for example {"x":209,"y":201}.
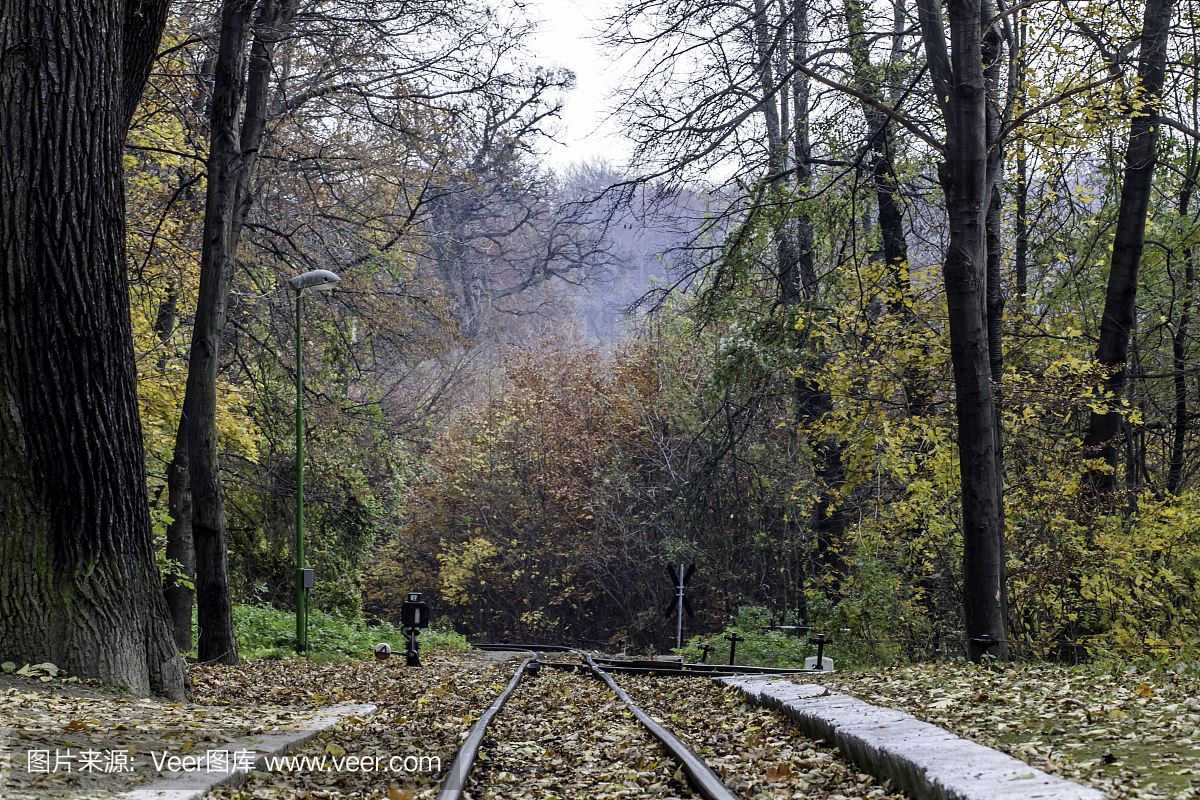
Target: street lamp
{"x":321,"y":280}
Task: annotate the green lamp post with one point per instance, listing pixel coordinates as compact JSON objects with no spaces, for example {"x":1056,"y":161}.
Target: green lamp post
{"x":321,"y":280}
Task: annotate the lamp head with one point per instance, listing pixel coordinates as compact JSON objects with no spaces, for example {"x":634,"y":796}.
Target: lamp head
{"x":321,"y":280}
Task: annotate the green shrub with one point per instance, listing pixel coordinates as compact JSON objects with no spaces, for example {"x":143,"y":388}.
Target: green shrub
{"x":761,"y":648}
{"x":767,"y":648}
{"x":265,"y":632}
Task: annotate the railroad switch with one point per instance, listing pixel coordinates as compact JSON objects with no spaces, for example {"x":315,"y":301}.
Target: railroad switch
{"x":820,"y":640}
{"x":414,"y":615}
{"x":985,"y":642}
{"x":733,"y":640}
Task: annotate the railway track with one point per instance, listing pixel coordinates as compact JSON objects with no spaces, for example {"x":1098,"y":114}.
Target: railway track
{"x":588,"y":740}
{"x":570,"y":729}
{"x":560,"y":733}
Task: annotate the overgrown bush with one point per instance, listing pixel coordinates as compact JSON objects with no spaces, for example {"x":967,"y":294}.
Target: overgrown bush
{"x":761,"y":647}
{"x":265,"y":632}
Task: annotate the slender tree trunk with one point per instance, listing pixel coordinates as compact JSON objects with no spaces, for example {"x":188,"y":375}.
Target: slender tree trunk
{"x":79,"y":584}
{"x":1021,"y":231}
{"x":1021,"y":224}
{"x":1179,"y":365}
{"x":992,"y":56}
{"x":213,"y":602}
{"x":962,"y":97}
{"x":180,"y":547}
{"x":796,"y":274}
{"x":1120,"y":300}
{"x":179,"y":533}
{"x":869,"y":80}
{"x":231,"y":163}
{"x":993,"y":50}
{"x":802,"y":150}
{"x":995,"y":286}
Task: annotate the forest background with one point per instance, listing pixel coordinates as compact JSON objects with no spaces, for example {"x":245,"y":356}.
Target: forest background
{"x":534,"y":390}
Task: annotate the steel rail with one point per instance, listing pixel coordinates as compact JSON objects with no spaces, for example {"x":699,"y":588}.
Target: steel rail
{"x":456,"y":777}
{"x":667,"y":672}
{"x":536,"y":648}
{"x":644,"y":666}
{"x":630,"y":665}
{"x":702,"y":778}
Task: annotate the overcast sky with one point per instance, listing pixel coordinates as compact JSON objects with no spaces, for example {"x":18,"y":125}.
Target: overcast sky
{"x":565,"y":39}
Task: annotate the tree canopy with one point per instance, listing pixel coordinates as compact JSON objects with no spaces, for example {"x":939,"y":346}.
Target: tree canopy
{"x":888,"y":324}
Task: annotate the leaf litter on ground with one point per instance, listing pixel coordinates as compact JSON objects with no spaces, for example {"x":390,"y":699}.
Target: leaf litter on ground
{"x":64,"y":737}
{"x":1129,"y":733}
{"x":423,"y":715}
{"x":758,"y":752}
{"x":563,"y":735}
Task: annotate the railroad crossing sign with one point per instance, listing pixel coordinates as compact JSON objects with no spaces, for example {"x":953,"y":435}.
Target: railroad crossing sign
{"x":678,"y":604}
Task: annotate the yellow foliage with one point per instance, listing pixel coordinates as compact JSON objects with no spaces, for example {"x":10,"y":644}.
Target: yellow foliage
{"x":461,"y":568}
{"x":165,"y":211}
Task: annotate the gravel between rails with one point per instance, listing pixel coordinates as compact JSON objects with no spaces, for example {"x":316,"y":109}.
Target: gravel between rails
{"x":563,"y":735}
{"x":758,"y":752}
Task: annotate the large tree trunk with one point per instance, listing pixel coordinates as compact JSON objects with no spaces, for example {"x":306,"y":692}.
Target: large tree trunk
{"x":79,"y":585}
{"x":1121,"y":296}
{"x":962,"y":97}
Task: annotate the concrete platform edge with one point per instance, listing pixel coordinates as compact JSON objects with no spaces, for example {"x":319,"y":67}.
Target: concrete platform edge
{"x":921,"y":759}
{"x":194,"y":785}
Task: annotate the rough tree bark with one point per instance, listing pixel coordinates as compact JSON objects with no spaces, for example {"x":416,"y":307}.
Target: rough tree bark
{"x":1120,"y":298}
{"x":79,"y":585}
{"x":962,"y":99}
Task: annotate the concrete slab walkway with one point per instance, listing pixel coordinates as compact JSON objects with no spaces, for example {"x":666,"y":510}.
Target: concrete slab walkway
{"x":919,"y":758}
{"x":200,"y":776}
